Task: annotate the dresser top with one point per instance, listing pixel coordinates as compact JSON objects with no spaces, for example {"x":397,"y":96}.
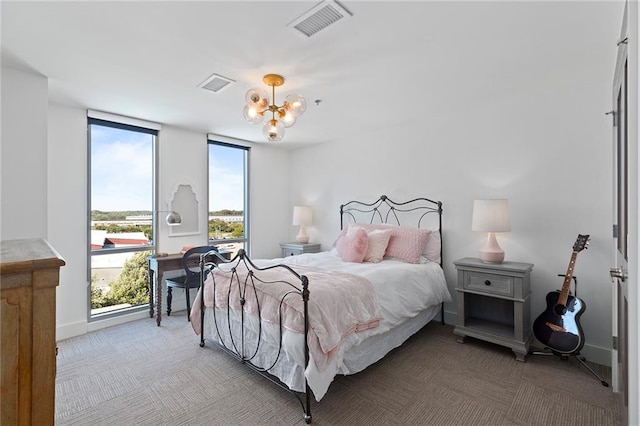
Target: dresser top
{"x":26,"y":255}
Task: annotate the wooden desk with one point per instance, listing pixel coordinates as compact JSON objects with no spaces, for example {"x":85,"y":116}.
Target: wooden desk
{"x":158,"y":265}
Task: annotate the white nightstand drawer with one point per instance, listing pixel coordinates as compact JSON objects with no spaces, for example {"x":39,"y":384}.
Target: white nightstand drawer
{"x":489,"y":283}
{"x":294,"y":249}
{"x":290,"y":252}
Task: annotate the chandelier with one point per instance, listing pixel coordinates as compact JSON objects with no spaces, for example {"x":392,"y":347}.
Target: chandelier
{"x":258,"y":104}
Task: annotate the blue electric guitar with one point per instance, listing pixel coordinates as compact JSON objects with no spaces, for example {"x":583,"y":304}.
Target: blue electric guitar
{"x":558,"y":327}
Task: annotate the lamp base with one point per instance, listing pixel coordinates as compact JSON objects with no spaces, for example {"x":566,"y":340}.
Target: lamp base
{"x":491,"y":251}
{"x":302,"y":236}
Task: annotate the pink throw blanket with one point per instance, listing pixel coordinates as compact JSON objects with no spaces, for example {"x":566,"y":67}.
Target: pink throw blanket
{"x":339,"y":304}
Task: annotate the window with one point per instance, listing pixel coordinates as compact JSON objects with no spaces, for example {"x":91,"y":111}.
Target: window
{"x":121,"y":165}
{"x":228,"y":189}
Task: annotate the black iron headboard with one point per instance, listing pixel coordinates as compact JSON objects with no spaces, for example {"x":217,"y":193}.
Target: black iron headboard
{"x":418,"y":212}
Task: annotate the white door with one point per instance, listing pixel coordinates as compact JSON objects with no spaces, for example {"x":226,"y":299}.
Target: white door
{"x":625,"y":213}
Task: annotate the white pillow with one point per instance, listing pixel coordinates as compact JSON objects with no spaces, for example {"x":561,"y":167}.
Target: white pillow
{"x":432,"y":249}
{"x":378,"y":241}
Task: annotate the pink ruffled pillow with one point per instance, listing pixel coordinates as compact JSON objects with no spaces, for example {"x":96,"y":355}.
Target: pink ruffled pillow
{"x":342,"y":233}
{"x":406,"y":243}
{"x":352,"y":246}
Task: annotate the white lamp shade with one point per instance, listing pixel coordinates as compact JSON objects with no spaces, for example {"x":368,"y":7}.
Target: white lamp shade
{"x":491,"y":216}
{"x":302,"y":215}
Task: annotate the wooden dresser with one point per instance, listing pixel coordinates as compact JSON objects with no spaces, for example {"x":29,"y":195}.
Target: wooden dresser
{"x":29,"y":274}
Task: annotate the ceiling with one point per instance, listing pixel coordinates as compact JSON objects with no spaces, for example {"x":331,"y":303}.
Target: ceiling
{"x":392,"y":63}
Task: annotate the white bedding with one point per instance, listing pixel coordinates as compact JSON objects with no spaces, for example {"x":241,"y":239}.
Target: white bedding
{"x":404,"y":292}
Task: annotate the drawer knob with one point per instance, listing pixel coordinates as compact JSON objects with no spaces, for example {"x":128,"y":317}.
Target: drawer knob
{"x":487,"y":282}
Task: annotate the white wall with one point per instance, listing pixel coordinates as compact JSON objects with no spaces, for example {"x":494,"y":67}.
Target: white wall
{"x":67,"y":214}
{"x":270,"y":200}
{"x":44,"y":188}
{"x":183,"y":160}
{"x":23,"y":194}
{"x":545,"y":146}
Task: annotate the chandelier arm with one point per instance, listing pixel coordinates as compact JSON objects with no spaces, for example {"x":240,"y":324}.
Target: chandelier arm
{"x":273,"y":102}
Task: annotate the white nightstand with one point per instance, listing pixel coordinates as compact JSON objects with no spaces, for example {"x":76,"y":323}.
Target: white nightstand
{"x":292,"y":249}
{"x":493,"y":303}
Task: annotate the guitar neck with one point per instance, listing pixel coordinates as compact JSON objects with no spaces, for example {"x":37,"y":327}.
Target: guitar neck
{"x":564,"y":293}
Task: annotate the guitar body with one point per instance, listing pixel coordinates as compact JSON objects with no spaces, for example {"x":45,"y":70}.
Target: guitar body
{"x":558,"y":327}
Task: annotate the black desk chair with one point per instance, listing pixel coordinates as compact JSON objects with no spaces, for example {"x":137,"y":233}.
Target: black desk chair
{"x":191,"y":278}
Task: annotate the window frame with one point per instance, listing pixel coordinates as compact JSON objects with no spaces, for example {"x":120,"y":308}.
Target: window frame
{"x":94,"y":119}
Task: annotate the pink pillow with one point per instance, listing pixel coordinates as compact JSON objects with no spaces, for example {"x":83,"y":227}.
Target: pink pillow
{"x":406,"y":243}
{"x":341,"y":234}
{"x":352,"y":247}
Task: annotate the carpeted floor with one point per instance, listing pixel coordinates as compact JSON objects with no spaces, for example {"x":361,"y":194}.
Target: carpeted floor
{"x":141,"y":374}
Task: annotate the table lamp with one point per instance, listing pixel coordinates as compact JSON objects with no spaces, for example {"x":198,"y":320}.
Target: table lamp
{"x":303,"y":216}
{"x":491,"y":216}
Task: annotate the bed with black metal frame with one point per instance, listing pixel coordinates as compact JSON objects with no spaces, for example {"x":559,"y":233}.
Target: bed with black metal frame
{"x":239,"y":333}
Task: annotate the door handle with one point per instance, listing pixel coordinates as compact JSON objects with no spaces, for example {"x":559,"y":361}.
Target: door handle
{"x":618,"y":273}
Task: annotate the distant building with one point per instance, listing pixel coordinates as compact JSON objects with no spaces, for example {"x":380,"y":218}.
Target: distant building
{"x":229,"y":219}
{"x":103,"y":239}
{"x":138,"y":220}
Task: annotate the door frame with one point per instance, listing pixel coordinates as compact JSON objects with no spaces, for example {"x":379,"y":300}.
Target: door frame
{"x":633,"y":376}
{"x":620,"y":249}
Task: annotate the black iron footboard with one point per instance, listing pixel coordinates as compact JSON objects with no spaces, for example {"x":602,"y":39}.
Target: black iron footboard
{"x":244,"y":283}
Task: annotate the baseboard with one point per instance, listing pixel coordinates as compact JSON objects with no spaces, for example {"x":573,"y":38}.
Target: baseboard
{"x":597,"y":354}
{"x":592,"y":353}
{"x":68,"y":331}
{"x":449,"y":317}
{"x":118,"y":319}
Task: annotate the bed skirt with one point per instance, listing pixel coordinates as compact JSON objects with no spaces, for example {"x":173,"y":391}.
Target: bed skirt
{"x":361,"y":349}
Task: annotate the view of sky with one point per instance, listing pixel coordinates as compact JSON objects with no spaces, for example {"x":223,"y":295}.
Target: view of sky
{"x":226,"y":171}
{"x":122,"y":165}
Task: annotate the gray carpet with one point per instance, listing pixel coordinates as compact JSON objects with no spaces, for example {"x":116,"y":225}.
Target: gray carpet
{"x":141,"y":374}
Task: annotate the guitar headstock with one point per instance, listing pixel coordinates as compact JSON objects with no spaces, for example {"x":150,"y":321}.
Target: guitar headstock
{"x":581,"y":243}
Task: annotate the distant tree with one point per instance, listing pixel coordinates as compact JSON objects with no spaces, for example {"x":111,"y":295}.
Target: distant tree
{"x":148,"y":232}
{"x":98,"y":299}
{"x":113,"y":228}
{"x":132,"y":285}
{"x":226,"y":212}
{"x":219,"y":226}
{"x":105,"y":216}
{"x":238,"y":230}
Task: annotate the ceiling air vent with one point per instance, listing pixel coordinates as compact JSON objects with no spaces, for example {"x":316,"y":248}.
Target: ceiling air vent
{"x":215,"y":83}
{"x":318,"y":18}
